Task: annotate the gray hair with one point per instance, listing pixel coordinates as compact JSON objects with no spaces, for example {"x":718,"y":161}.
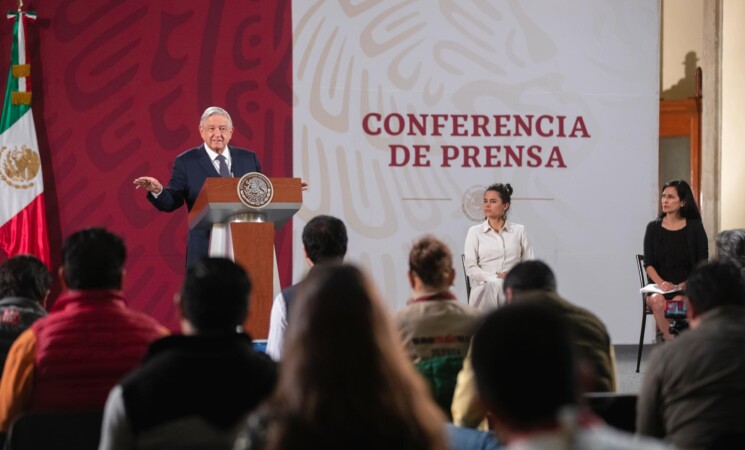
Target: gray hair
{"x":731,"y":247}
{"x":212,"y":111}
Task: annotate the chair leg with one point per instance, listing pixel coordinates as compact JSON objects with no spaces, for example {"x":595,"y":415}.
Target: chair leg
{"x":641,"y":340}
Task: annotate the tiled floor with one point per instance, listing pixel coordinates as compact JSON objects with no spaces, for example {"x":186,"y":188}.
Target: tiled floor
{"x":628,"y":380}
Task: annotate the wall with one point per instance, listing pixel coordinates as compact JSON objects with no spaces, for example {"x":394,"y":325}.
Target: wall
{"x":732,"y":213}
{"x":682,"y":43}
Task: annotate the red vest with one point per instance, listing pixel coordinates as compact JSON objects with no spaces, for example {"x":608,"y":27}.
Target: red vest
{"x":89,"y":340}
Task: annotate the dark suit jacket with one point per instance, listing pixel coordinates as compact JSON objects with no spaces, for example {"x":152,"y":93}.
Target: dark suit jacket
{"x":190,"y":170}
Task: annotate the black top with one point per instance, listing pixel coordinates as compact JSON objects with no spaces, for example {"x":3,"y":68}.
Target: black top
{"x":674,"y":262}
{"x":219,"y":378}
{"x":675,"y":253}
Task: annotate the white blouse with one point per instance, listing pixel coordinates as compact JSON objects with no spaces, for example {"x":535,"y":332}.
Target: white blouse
{"x":488,"y":252}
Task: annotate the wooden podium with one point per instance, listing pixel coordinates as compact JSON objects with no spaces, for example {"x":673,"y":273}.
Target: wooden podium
{"x":246,"y":235}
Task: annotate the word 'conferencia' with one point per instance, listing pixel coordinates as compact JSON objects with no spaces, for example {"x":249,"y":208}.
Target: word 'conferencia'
{"x":475,"y":127}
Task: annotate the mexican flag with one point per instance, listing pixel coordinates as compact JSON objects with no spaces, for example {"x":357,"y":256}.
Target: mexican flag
{"x":23,"y":227}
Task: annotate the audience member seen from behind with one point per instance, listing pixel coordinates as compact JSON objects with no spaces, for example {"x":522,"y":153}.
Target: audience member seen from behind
{"x":673,"y":244}
{"x":435,"y":327}
{"x":492,"y":248}
{"x":70,"y":359}
{"x":534,"y":280}
{"x":693,"y":392}
{"x":731,"y":247}
{"x":324,"y":241}
{"x":24,"y":287}
{"x":533,"y":399}
{"x":345,"y":381}
{"x":193,"y":390}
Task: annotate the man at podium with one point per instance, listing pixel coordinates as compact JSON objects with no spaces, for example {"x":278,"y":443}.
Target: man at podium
{"x":212,"y":159}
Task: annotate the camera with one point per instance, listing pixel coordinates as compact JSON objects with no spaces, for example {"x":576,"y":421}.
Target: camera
{"x":676,"y":310}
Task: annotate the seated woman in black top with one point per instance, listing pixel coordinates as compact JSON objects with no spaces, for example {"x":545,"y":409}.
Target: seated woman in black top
{"x":673,"y":244}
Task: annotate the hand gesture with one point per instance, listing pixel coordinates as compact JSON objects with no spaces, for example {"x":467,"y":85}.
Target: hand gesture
{"x":150,"y":184}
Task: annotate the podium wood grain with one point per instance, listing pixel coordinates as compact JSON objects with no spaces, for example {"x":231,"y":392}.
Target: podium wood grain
{"x":257,"y":241}
{"x":253,"y":242}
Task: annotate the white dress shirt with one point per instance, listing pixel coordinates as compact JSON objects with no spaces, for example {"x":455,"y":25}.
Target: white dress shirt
{"x":277,"y":326}
{"x":213,"y":157}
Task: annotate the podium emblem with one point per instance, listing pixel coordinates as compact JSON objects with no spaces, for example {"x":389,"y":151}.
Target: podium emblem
{"x":471,"y":204}
{"x":255,"y":190}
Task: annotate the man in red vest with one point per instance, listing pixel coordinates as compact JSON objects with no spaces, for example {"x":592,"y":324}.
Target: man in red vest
{"x":72,"y":358}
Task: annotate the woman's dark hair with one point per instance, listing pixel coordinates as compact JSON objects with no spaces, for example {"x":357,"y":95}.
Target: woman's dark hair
{"x":430,"y":259}
{"x":504,"y":191}
{"x":345,"y":375}
{"x":689,"y":210}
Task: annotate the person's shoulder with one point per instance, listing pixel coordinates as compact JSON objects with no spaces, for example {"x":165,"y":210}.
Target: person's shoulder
{"x":146,"y":321}
{"x":25,"y":305}
{"x":410,"y":312}
{"x":580,"y":316}
{"x":517,"y":227}
{"x":261,"y":367}
{"x":239,"y":152}
{"x":241,"y":149}
{"x":478,"y":227}
{"x":695,"y":223}
{"x":655,"y":223}
{"x":461,"y":437}
{"x":462,"y":310}
{"x":653,"y":227}
{"x":612,"y":439}
{"x":191,"y":153}
{"x":416,"y":312}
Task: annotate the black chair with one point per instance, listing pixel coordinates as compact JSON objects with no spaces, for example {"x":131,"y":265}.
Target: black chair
{"x":468,"y":280}
{"x":53,"y":430}
{"x":617,"y":410}
{"x":645,"y":308}
{"x":729,"y":440}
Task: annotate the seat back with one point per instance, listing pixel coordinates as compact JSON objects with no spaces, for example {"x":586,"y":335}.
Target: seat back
{"x":645,"y":309}
{"x":468,"y":280}
{"x":642,"y":281}
{"x":640,"y":269}
{"x":58,"y":429}
{"x":617,"y":410}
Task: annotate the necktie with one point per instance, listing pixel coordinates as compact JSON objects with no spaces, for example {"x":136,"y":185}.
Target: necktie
{"x":224,"y":172}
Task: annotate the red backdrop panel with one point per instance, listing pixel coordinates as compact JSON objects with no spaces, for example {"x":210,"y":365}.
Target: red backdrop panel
{"x":119,"y":87}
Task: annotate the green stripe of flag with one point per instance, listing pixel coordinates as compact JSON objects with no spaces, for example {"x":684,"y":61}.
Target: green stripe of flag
{"x":11,"y":112}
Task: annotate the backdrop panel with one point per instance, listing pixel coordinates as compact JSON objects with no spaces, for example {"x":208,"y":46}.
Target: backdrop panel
{"x":119,"y":87}
{"x":404,"y":111}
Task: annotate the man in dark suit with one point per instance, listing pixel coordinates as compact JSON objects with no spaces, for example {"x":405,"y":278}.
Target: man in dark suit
{"x":212,"y":159}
